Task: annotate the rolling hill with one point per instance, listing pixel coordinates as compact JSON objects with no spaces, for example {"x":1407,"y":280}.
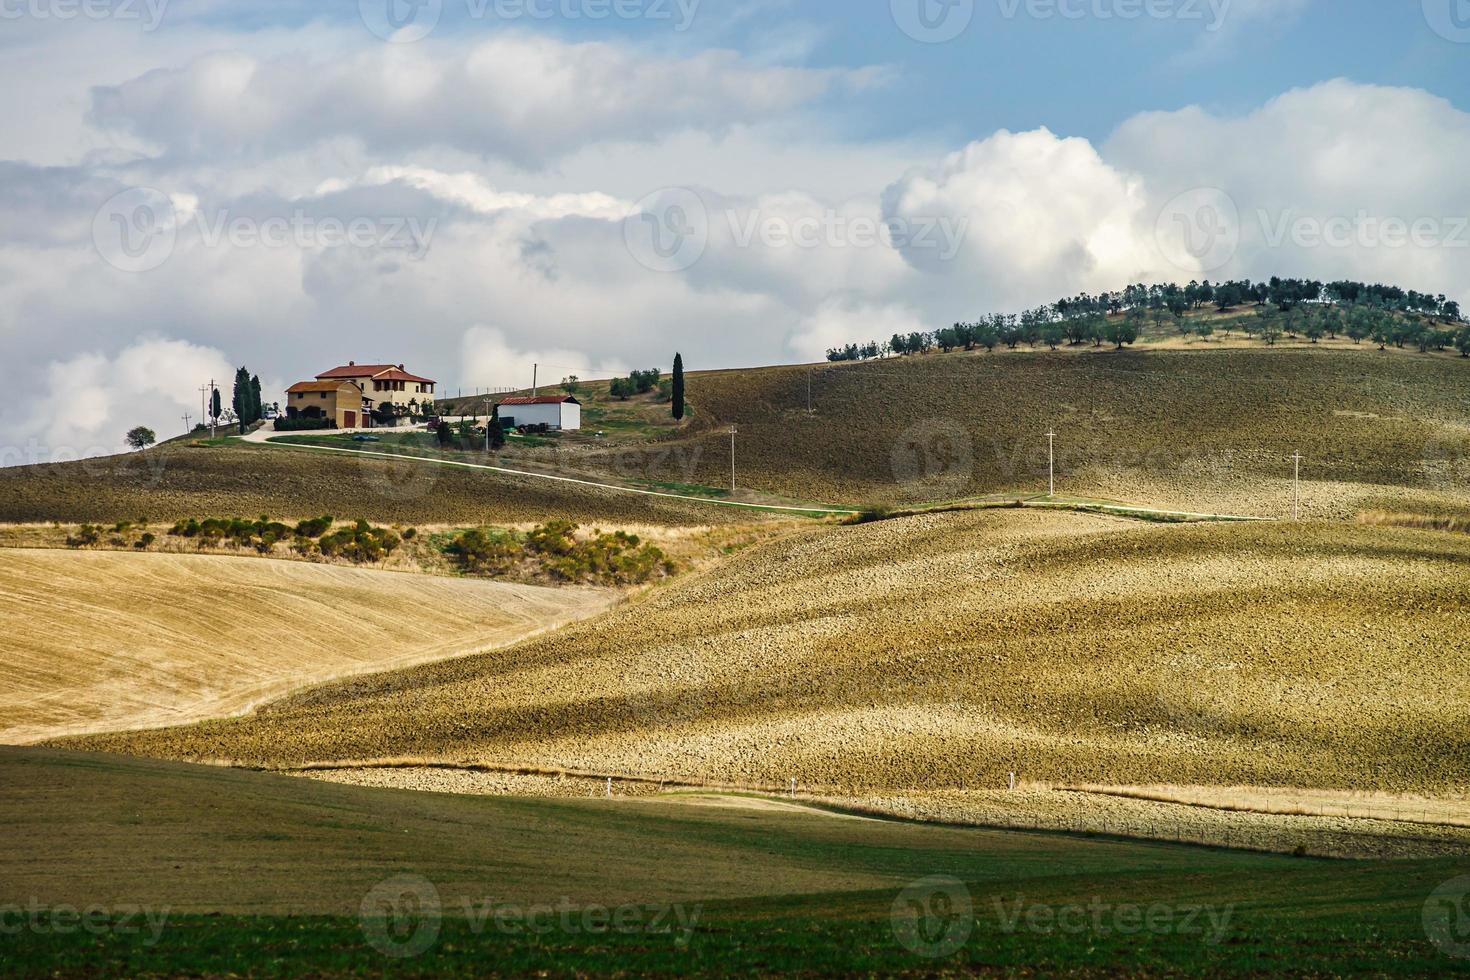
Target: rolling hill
{"x":946,"y":650}
{"x":1201,"y":429}
{"x":104,"y":641}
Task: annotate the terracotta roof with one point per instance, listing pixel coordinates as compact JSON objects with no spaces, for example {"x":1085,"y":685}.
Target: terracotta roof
{"x":304,"y":386}
{"x":388,"y":372}
{"x":542,"y":400}
{"x":394,"y":374}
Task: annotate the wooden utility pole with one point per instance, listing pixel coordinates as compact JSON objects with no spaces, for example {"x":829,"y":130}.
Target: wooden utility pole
{"x":732,"y":458}
{"x":535,"y":372}
{"x":1296,"y":488}
{"x":1051,"y":463}
{"x":187,"y":417}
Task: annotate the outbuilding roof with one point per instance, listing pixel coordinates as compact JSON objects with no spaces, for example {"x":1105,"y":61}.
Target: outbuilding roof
{"x":540,"y":400}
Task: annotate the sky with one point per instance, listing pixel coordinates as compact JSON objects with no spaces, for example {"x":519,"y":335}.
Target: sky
{"x":471,"y":187}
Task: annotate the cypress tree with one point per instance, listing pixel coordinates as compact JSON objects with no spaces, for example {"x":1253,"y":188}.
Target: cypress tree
{"x":257,"y":410}
{"x":678,"y":387}
{"x":240,"y":399}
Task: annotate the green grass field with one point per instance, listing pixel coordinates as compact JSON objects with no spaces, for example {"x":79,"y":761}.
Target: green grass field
{"x":190,"y":870}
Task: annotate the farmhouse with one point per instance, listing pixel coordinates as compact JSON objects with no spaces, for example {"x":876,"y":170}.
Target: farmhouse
{"x":383,"y":383}
{"x":339,"y":401}
{"x":554,"y":411}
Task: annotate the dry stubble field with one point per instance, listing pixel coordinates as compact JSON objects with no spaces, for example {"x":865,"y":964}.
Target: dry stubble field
{"x":946,"y":650}
{"x":1207,"y":429}
{"x":100,"y":641}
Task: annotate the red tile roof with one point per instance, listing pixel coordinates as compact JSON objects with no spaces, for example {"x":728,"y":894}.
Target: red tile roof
{"x":304,"y":386}
{"x":383,"y":372}
{"x":541,"y":400}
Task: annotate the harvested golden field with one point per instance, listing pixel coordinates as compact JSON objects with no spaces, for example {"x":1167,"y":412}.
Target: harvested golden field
{"x":179,"y":481}
{"x":102,"y":641}
{"x":1206,"y":429}
{"x":947,"y":650}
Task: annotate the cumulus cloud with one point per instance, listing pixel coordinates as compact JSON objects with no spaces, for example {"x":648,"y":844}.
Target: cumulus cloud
{"x":89,"y":400}
{"x":523,"y":97}
{"x":1321,"y":178}
{"x":534,"y":267}
{"x":1037,"y":210}
{"x":842,"y":320}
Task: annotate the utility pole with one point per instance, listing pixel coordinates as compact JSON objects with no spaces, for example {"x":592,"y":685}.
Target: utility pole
{"x":732,"y":458}
{"x":535,"y":372}
{"x":187,"y":416}
{"x":1051,"y":463}
{"x":1296,"y":488}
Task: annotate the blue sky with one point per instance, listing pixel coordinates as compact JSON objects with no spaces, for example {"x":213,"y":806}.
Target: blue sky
{"x":780,"y":177}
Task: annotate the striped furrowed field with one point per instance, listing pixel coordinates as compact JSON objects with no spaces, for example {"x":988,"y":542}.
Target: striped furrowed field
{"x":946,"y":651}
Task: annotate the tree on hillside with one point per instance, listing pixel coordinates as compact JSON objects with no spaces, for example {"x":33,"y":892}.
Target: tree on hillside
{"x":1462,"y":342}
{"x":140,"y":437}
{"x":1119,"y":332}
{"x":495,"y":430}
{"x":214,"y":405}
{"x":242,"y":400}
{"x":677,"y":392}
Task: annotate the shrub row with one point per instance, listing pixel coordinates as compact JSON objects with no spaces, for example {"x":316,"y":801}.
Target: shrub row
{"x":554,"y":550}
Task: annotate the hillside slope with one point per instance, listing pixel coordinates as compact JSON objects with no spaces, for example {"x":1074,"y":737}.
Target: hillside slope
{"x":102,"y":641}
{"x":1191,"y":429}
{"x":949,"y":650}
{"x":181,"y":481}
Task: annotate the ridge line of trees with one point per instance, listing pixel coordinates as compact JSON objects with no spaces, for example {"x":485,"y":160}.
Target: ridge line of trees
{"x":1297,"y":307}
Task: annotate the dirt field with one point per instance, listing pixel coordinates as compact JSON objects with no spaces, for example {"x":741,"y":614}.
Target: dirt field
{"x":105,"y":641}
{"x":1199,"y":429}
{"x":944,"y":651}
{"x":180,"y":481}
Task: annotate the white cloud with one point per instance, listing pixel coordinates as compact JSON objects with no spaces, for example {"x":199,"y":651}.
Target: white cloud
{"x":88,"y":401}
{"x":522,"y":97}
{"x":842,"y":320}
{"x":1040,"y":214}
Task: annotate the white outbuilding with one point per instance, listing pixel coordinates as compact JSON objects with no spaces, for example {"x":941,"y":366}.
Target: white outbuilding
{"x":555,"y":411}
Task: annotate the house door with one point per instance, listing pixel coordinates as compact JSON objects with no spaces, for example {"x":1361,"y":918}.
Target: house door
{"x":350,"y":418}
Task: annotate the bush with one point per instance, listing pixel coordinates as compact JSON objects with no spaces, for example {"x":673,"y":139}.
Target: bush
{"x":315,"y":527}
{"x":485,"y":552}
{"x":145,"y":542}
{"x":360,"y":543}
{"x":303,"y":425}
{"x":261,"y":534}
{"x":86,"y":536}
{"x":553,"y":550}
